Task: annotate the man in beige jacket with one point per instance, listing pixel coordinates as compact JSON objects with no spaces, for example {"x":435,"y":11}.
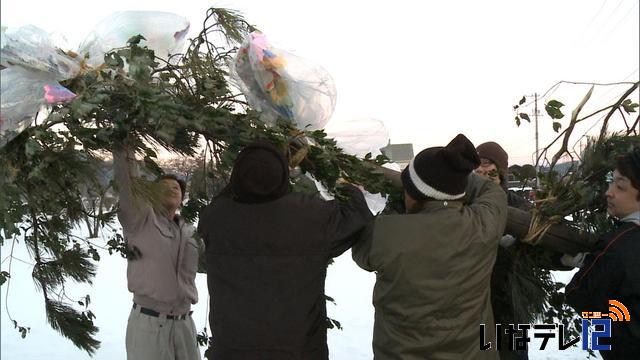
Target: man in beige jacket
{"x":161,"y":274}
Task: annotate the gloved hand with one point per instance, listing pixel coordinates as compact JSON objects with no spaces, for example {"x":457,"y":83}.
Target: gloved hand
{"x":507,"y":240}
{"x":576,"y":260}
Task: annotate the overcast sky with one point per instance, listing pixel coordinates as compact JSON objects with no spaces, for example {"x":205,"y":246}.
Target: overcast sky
{"x":429,"y":70}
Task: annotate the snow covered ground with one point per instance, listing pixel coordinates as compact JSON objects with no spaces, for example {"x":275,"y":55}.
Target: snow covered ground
{"x":110,"y":301}
{"x":352,"y":287}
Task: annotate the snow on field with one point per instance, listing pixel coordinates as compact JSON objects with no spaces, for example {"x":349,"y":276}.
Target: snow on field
{"x":111,"y":301}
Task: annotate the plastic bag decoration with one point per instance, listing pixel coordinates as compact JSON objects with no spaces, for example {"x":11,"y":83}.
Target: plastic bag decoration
{"x":360,"y":136}
{"x":33,"y":48}
{"x":165,"y":34}
{"x":33,"y":65}
{"x":282,"y":85}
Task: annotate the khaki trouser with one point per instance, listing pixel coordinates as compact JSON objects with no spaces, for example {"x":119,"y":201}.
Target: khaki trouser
{"x":159,"y":338}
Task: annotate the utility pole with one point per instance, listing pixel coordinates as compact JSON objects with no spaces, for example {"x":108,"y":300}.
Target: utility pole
{"x":535,"y":116}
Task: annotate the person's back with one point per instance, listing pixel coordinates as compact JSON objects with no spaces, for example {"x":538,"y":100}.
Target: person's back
{"x":266,"y":268}
{"x":433,"y":268}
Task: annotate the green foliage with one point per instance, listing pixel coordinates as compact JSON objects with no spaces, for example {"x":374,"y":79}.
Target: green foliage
{"x":578,"y":200}
{"x":51,"y":173}
{"x":74,"y":325}
{"x":575,"y":198}
{"x":522,"y":101}
{"x":580,"y":193}
{"x":553,"y":109}
{"x":117,"y":245}
{"x":41,"y":202}
{"x":528,"y":171}
{"x":203,"y":340}
{"x":21,"y":329}
{"x":3,"y":277}
{"x":332,"y":323}
{"x":73,"y":263}
{"x":629,"y":106}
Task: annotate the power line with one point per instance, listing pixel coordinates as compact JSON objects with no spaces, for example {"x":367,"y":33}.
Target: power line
{"x":635,"y":3}
{"x":592,"y":19}
{"x":549,"y":92}
{"x":553,"y":88}
{"x":614,"y":10}
{"x":606,"y":21}
{"x":598,"y":119}
{"x":613,"y":88}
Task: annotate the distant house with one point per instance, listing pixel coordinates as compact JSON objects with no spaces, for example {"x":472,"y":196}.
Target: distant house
{"x":399,"y":153}
{"x":561,"y":168}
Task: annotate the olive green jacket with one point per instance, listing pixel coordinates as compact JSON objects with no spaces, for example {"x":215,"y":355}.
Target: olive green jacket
{"x":433,"y":272}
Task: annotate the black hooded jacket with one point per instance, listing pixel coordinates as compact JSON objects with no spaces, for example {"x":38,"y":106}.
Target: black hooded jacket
{"x":612,"y":273}
{"x":266,"y":269}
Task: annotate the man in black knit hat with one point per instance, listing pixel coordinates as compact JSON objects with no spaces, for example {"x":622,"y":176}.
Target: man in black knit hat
{"x":267,"y":251}
{"x":434,"y":264}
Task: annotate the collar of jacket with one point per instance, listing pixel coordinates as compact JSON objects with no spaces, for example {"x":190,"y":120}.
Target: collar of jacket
{"x":433,"y":205}
{"x":178,"y":220}
{"x":634,"y":217}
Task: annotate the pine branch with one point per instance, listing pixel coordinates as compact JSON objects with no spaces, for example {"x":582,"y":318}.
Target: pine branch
{"x":75,"y":326}
{"x":154,"y":105}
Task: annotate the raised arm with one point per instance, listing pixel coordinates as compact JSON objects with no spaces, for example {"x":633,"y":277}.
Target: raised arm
{"x":132,"y":210}
{"x":361,"y":251}
{"x":347,"y":220}
{"x":489,"y":203}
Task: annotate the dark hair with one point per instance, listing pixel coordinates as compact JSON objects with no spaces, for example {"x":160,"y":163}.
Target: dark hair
{"x":629,"y":168}
{"x":419,"y":204}
{"x":181,"y":182}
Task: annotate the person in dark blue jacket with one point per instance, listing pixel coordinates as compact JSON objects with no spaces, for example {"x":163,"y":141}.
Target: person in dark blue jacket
{"x":613,"y":271}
